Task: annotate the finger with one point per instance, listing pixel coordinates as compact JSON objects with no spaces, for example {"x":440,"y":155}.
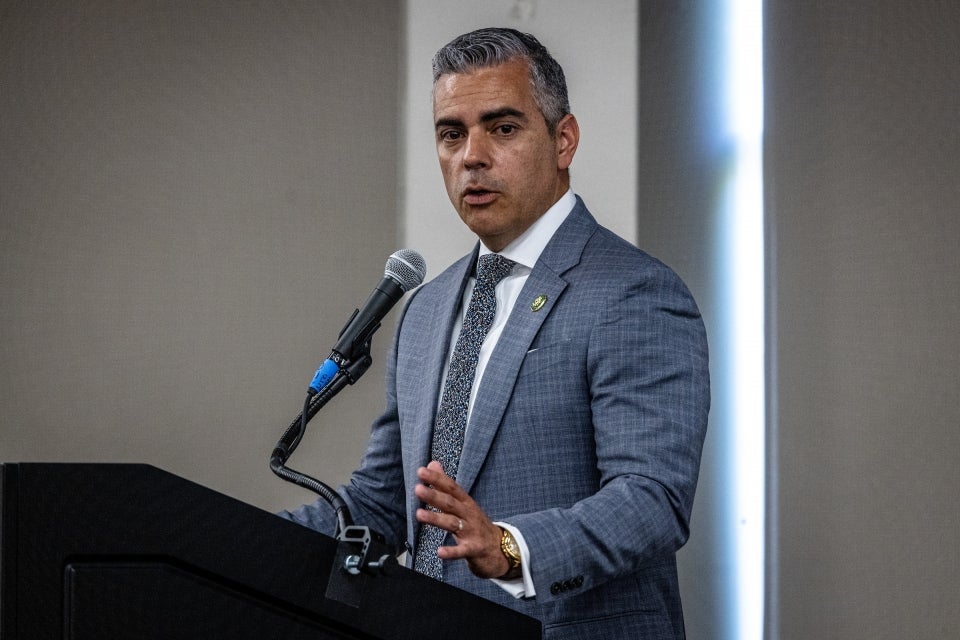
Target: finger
{"x":433,"y":471}
{"x":446,"y":521}
{"x":433,"y":475}
{"x":454,"y":552}
{"x":432,"y":517}
{"x":435,"y":481}
{"x":436,"y":498}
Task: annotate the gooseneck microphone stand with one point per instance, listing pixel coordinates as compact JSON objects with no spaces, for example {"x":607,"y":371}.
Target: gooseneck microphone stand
{"x":356,"y":541}
{"x":349,"y":359}
{"x":315,"y":400}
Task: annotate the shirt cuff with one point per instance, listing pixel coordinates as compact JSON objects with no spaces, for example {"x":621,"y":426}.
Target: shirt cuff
{"x":521,"y":587}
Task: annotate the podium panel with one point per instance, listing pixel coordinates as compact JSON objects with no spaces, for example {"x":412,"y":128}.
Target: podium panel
{"x":129,"y":551}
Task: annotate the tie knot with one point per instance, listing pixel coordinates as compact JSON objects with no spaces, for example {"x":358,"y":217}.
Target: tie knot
{"x":492,"y":269}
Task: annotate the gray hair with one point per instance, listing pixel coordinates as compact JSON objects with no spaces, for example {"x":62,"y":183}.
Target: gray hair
{"x":494,"y":46}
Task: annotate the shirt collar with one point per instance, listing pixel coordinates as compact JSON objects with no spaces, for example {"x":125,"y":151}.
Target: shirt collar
{"x":526,"y":249}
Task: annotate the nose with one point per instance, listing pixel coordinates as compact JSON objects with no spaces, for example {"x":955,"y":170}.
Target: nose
{"x":476,"y":153}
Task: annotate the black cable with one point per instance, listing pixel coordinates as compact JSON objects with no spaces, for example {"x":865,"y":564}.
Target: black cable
{"x":290,"y":440}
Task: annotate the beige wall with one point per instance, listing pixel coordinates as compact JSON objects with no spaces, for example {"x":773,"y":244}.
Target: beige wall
{"x":863,"y":159}
{"x":193,"y":198}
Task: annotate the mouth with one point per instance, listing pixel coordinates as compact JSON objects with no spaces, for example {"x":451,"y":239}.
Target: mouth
{"x":478,"y":196}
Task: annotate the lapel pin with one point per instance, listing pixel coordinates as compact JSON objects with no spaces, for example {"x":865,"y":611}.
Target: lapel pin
{"x":538,"y":302}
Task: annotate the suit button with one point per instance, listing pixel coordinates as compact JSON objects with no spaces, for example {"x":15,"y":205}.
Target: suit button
{"x":555,"y":588}
{"x":578,"y":582}
{"x":566,"y":586}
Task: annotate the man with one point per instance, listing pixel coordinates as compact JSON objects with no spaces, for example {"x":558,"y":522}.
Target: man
{"x":585,"y":406}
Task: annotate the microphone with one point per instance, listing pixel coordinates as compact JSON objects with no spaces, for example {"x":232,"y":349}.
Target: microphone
{"x":405,"y":269}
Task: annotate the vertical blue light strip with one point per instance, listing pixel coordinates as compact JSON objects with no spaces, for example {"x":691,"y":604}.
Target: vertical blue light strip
{"x":742,"y":217}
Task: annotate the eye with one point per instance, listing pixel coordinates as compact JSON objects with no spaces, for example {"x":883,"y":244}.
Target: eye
{"x":450,"y":135}
{"x":506,"y":129}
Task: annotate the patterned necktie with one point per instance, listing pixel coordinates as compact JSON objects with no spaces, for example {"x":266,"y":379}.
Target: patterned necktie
{"x":452,"y":414}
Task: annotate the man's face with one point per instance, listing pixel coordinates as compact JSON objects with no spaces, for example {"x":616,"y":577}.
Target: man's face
{"x":501,"y":166}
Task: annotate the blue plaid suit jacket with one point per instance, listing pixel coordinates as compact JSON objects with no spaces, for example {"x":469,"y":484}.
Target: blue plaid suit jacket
{"x":586,"y":433}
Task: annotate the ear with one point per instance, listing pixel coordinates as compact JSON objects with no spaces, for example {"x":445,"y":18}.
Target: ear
{"x":567,"y":137}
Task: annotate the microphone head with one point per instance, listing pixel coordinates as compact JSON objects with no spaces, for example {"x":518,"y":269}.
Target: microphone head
{"x":407,"y":267}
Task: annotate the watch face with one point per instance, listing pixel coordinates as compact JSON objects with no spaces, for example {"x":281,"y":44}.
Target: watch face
{"x":509,"y":546}
{"x":511,"y":550}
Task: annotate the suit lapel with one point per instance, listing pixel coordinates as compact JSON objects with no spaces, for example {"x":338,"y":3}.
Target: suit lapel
{"x":442,"y":303}
{"x":561,"y":253}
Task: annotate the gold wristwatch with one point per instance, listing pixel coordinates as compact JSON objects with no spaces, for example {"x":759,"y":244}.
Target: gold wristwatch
{"x":511,"y":550}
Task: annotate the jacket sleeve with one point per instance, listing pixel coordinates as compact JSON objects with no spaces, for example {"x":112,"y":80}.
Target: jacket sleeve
{"x":648,"y":384}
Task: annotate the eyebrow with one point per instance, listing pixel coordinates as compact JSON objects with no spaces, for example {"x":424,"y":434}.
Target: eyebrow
{"x":486,"y":117}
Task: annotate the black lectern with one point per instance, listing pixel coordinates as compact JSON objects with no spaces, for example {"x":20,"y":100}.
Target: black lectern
{"x":116,"y":551}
